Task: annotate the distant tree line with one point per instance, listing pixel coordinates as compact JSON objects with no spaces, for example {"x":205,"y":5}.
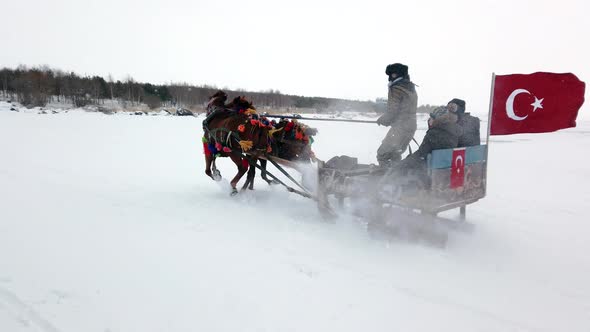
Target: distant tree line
{"x":38,"y":86}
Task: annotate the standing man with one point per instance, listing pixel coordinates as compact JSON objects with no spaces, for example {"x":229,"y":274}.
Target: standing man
{"x":402,"y":102}
{"x":468,"y":124}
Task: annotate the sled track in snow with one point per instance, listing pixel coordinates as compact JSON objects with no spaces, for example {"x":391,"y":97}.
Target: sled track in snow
{"x":19,"y":309}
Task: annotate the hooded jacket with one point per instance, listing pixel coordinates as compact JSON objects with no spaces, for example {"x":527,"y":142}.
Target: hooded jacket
{"x":469,"y":126}
{"x":442,"y":134}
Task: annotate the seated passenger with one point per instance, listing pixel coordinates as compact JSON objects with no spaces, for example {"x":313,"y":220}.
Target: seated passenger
{"x":468,"y":124}
{"x":443,"y":133}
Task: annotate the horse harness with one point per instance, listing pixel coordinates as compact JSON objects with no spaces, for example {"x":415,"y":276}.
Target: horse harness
{"x":211,"y":134}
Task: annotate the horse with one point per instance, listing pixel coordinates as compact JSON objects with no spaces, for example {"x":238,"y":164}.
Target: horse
{"x":291,"y":140}
{"x":231,"y":131}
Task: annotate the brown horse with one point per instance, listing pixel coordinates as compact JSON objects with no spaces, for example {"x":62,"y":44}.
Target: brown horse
{"x":291,"y":140}
{"x":230,"y":131}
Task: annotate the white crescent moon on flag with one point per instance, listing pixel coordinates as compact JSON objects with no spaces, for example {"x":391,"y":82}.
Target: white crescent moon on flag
{"x":458,"y":162}
{"x":510,"y":105}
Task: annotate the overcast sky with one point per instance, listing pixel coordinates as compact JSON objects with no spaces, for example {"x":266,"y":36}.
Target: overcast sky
{"x":312,"y":48}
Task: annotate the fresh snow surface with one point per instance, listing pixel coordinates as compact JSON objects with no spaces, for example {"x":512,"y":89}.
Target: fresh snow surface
{"x":108,"y":223}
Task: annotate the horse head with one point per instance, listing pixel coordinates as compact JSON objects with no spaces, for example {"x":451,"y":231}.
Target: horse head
{"x":217,"y":99}
{"x":240,"y":104}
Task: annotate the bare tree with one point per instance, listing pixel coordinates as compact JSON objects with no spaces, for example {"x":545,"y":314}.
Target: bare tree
{"x":129,"y":82}
{"x":110,"y":80}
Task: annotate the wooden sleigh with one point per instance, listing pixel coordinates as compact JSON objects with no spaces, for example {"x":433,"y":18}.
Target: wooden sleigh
{"x":411,"y":202}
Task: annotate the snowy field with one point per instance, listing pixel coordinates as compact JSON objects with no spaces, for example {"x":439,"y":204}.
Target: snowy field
{"x":108,"y":223}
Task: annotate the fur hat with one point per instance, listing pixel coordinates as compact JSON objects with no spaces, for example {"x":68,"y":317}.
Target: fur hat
{"x":460,"y":103}
{"x":441,"y":116}
{"x":438,"y":112}
{"x":399,"y":69}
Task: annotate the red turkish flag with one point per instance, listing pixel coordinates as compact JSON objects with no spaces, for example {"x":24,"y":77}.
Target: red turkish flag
{"x":458,"y":169}
{"x":535,"y":103}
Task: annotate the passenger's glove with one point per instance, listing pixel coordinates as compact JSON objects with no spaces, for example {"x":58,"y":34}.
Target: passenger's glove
{"x":382,"y":121}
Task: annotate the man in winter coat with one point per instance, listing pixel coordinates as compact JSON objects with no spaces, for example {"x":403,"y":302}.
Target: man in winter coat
{"x":468,"y":123}
{"x":402,"y":102}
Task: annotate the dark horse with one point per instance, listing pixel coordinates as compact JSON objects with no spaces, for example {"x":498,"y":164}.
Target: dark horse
{"x":291,"y":140}
{"x":230,"y":131}
{"x":290,"y":145}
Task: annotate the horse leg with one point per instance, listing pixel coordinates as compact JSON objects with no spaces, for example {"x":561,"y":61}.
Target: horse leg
{"x":242,"y":168}
{"x":263,"y":166}
{"x":210,"y":168}
{"x":215,"y":171}
{"x":251,"y":174}
{"x":208,"y":162}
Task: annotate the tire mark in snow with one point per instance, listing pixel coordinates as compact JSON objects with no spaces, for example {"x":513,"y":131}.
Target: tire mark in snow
{"x":11,"y":300}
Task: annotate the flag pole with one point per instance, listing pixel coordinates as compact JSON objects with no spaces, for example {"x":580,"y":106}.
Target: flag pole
{"x":490,"y":110}
{"x":489,"y":128}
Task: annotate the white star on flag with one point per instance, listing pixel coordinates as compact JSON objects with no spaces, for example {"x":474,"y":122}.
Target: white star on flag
{"x":537,"y":103}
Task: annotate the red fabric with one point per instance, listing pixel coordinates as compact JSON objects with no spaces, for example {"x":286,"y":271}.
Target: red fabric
{"x":557,"y":97}
{"x":289,"y":126}
{"x":206,"y":149}
{"x":245,"y":163}
{"x":458,"y":169}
